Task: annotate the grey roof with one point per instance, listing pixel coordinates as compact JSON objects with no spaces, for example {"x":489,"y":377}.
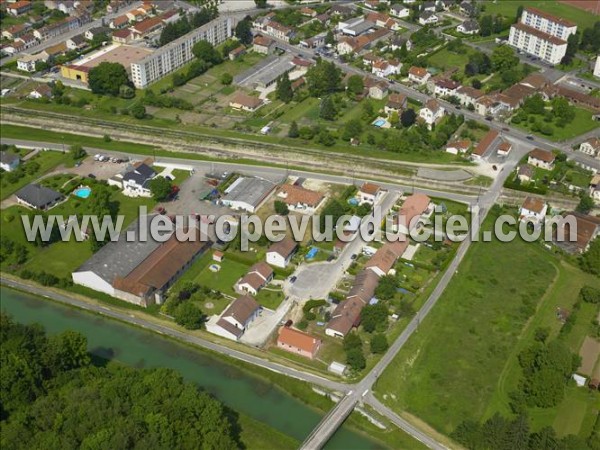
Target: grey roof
{"x":100,"y":30}
{"x":8,"y":158}
{"x":426,"y":15}
{"x":265,"y":72}
{"x":141,"y":174}
{"x":249,"y":190}
{"x":119,"y":258}
{"x":470,"y":25}
{"x":361,"y":27}
{"x":78,"y":39}
{"x":38,"y":196}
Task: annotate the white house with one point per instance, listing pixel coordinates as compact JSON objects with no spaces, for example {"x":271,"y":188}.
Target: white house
{"x":541,"y":158}
{"x":258,"y":276}
{"x":431,"y":112}
{"x":445,"y":87}
{"x":236,"y":319}
{"x":385,"y":69}
{"x":597,"y":67}
{"x":469,"y":27}
{"x":428,"y":18}
{"x":298,"y":198}
{"x":9,"y":161}
{"x":27,"y":62}
{"x":400,"y":10}
{"x":457,"y":147}
{"x":42,"y":91}
{"x":591,"y":147}
{"x":468,"y":95}
{"x":533,"y":209}
{"x":370,"y":193}
{"x":136,"y":181}
{"x":280,"y":253}
{"x":504,"y":149}
{"x":418,"y":75}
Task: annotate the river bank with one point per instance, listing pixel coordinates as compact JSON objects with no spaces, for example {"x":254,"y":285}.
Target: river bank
{"x":281,"y":411}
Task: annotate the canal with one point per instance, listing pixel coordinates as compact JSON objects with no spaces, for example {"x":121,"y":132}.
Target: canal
{"x":136,"y":347}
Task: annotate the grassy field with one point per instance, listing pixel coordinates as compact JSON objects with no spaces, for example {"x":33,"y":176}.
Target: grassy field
{"x":582,"y":123}
{"x":448,"y":372}
{"x":462,"y":363}
{"x":509,"y":8}
{"x":224,"y":279}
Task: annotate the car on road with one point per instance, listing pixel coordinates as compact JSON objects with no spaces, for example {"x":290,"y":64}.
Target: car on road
{"x":489,"y":118}
{"x":530,"y":137}
{"x":505,"y":129}
{"x":330,"y":258}
{"x":354,"y":256}
{"x":293,"y":279}
{"x":92,"y":176}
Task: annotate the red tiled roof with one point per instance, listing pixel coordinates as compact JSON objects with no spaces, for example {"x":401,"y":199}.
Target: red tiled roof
{"x":542,"y":155}
{"x":299,"y":195}
{"x":370,"y":188}
{"x":298,"y":339}
{"x":485,"y":143}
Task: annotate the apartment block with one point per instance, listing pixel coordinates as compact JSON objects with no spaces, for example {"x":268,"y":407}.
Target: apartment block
{"x":542,"y":35}
{"x":179,"y":52}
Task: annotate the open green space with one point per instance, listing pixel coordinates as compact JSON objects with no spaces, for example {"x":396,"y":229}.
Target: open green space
{"x":448,"y":371}
{"x":582,"y":123}
{"x":508,"y":8}
{"x":462,"y":364}
{"x":270,"y":297}
{"x":225,"y":278}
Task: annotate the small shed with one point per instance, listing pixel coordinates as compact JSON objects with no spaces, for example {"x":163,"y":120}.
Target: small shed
{"x":218,"y":256}
{"x":579,"y":380}
{"x":337,"y":368}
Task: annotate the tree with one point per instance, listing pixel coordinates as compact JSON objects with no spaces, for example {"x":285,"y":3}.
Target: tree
{"x":545,"y":438}
{"x":161,"y":188}
{"x":284,"y":91}
{"x":352,"y":129}
{"x":486,"y":24}
{"x":138,"y":111}
{"x":126,"y":92}
{"x":386,"y":289}
{"x":326,"y":138}
{"x":534,"y":104}
{"x":327,"y":109}
{"x":590,"y":260}
{"x":503,"y":58}
{"x":107,"y":78}
{"x":330,"y":38}
{"x":476,"y":83}
{"x":323,"y":78}
{"x":586,"y":203}
{"x":205,"y":51}
{"x":226,"y":79}
{"x":374,"y":317}
{"x":260,"y":3}
{"x":572,"y":47}
{"x":379,"y":343}
{"x":189,"y":316}
{"x":243,"y":31}
{"x":293,"y":131}
{"x":541,"y":334}
{"x":66,"y":351}
{"x":77,"y":152}
{"x":355,"y":85}
{"x":356,"y":359}
{"x":408,"y":117}
{"x":351,"y":341}
{"x":281,"y":208}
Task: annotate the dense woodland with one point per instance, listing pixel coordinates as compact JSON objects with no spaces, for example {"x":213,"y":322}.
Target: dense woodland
{"x":53,"y":396}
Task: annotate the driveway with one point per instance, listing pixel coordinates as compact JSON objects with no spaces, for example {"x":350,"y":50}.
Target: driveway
{"x":315,"y":281}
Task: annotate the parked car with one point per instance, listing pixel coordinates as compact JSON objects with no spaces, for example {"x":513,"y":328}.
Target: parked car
{"x":530,"y":137}
{"x":92,"y":176}
{"x":354,"y":256}
{"x":293,"y":279}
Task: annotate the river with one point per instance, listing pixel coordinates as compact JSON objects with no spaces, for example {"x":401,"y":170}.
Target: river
{"x":136,"y":347}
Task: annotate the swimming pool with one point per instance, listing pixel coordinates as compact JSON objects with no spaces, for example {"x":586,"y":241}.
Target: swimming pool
{"x":82,"y":192}
{"x":311,"y":253}
{"x":379,"y":123}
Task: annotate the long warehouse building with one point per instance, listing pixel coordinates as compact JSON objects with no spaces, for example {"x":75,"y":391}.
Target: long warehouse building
{"x":179,"y":52}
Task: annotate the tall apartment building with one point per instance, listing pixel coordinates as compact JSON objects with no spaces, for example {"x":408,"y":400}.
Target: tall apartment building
{"x":597,"y":67}
{"x":179,"y":52}
{"x":542,"y":35}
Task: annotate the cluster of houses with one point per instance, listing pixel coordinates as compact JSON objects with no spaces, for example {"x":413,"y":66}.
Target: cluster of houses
{"x":36,"y":29}
{"x":347,"y":313}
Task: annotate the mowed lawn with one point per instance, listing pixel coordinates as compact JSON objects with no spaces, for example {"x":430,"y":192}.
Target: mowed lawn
{"x":509,"y":8}
{"x":224,"y":279}
{"x":582,"y":123}
{"x":449,"y":370}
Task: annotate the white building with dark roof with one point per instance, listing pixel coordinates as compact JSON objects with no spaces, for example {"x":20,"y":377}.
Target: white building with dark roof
{"x":38,"y":197}
{"x":9,"y":161}
{"x":236,"y":319}
{"x":248,"y":193}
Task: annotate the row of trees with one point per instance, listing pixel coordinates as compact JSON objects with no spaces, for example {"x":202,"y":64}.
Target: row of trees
{"x":53,"y":397}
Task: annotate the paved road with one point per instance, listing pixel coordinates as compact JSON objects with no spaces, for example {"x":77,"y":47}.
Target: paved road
{"x":317,"y":280}
{"x":325,"y":429}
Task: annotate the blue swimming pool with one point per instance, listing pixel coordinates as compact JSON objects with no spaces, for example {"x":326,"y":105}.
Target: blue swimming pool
{"x":379,"y":123}
{"x":353,"y":201}
{"x":82,"y":192}
{"x":312,"y":252}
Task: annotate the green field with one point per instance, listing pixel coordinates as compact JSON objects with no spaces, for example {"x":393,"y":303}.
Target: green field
{"x":224,"y":279}
{"x":582,"y":123}
{"x":509,"y":8}
{"x":462,"y":363}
